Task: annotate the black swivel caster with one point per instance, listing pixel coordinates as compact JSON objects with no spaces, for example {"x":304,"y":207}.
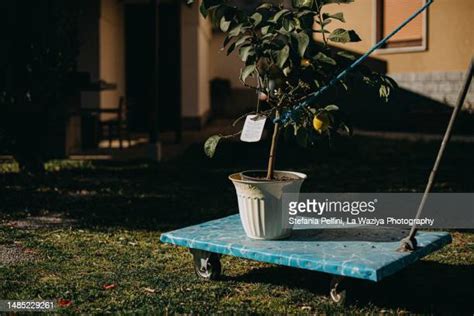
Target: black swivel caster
{"x":207,"y":265}
{"x":338,"y":290}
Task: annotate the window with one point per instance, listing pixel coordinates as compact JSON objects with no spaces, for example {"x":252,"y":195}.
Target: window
{"x":391,"y":13}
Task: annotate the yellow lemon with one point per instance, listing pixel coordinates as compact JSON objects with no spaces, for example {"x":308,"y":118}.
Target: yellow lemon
{"x":305,"y":62}
{"x":321,"y":122}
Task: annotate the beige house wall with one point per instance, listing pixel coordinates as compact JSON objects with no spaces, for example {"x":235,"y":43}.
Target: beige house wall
{"x":195,"y":65}
{"x":112,"y":51}
{"x":223,"y":66}
{"x":450,"y":36}
{"x":450,"y":47}
{"x":450,"y":40}
{"x":435,"y":72}
{"x":88,"y":61}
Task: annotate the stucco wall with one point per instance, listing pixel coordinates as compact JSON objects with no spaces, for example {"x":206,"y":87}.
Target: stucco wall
{"x":223,"y":66}
{"x":204,"y":34}
{"x":440,"y":86}
{"x":436,"y":72}
{"x":111,"y":50}
{"x":450,"y":40}
{"x":88,"y":61}
{"x":195,"y":68}
{"x":450,"y":36}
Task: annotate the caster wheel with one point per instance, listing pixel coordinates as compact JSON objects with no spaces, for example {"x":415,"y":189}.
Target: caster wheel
{"x":207,"y":265}
{"x":338,"y":292}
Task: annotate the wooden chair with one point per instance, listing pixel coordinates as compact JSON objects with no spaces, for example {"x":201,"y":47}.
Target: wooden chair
{"x":116,"y":126}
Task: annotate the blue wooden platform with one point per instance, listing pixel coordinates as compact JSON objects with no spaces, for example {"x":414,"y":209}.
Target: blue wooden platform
{"x":364,"y":253}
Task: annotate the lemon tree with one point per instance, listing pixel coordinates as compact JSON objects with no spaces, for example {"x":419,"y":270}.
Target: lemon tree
{"x":286,"y":55}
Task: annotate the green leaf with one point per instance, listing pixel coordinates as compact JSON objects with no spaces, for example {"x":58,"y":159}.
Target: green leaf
{"x":339,"y":35}
{"x":241,"y":40}
{"x":324,"y":58}
{"x":344,"y":85}
{"x":236,"y":30}
{"x":325,"y":22}
{"x":203,"y":10}
{"x":224,"y":24}
{"x":347,"y":128}
{"x":247,"y":71}
{"x":207,"y":6}
{"x":338,"y":16}
{"x":307,"y":21}
{"x":265,"y":29}
{"x":305,"y":12}
{"x":303,"y":42}
{"x":384,"y":92}
{"x":331,"y":107}
{"x":283,"y":56}
{"x":245,"y":51}
{"x":392,"y":83}
{"x":296,"y":127}
{"x":257,"y":18}
{"x":231,"y":48}
{"x":346,"y":55}
{"x":278,"y":15}
{"x":211,"y":144}
{"x":280,"y":41}
{"x":288,"y":25}
{"x":219,"y":14}
{"x":264,"y":6}
{"x":296,"y":23}
{"x":227,"y":39}
{"x":343,"y":36}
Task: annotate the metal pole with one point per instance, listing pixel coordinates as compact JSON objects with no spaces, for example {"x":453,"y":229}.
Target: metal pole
{"x":409,"y":243}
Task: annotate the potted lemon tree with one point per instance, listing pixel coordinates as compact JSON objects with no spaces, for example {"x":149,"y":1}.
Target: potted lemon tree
{"x":286,"y":55}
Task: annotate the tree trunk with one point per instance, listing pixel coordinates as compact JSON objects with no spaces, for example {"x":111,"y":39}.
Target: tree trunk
{"x":272,"y":158}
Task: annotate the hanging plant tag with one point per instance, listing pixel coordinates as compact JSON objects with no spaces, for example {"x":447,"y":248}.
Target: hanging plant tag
{"x":253,"y":128}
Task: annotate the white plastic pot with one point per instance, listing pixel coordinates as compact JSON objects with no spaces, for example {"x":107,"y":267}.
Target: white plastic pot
{"x":260,"y":204}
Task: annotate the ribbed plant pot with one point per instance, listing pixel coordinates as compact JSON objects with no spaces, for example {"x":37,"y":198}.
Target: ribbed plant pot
{"x":260,"y":202}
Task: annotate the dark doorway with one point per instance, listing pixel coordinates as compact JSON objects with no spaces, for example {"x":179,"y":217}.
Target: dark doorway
{"x":140,"y":58}
{"x":169,"y":73}
{"x":139,"y":64}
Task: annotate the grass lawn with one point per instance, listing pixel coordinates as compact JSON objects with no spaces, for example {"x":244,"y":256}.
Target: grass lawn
{"x":88,"y":232}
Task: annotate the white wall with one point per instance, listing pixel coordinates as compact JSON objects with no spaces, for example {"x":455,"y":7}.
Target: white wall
{"x":223,"y":66}
{"x":102,"y":52}
{"x":195,"y":69}
{"x":112,"y":51}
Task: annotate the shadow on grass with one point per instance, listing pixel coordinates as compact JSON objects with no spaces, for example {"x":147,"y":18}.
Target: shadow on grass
{"x":105,"y":196}
{"x":193,"y":188}
{"x":424,"y":287}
